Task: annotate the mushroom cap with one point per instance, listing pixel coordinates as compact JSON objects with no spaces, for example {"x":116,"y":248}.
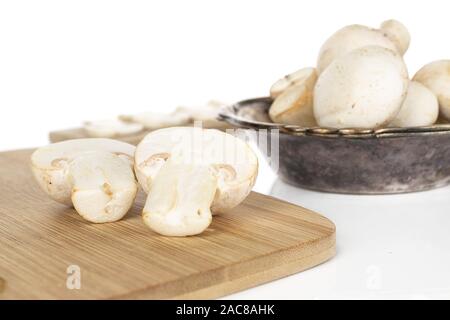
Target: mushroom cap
{"x":233,"y":162}
{"x":50,"y":163}
{"x":306,"y":76}
{"x":397,"y":33}
{"x":420,"y":108}
{"x":436,"y":77}
{"x":111,"y":128}
{"x":363,"y":89}
{"x":294,"y":106}
{"x":348,"y":39}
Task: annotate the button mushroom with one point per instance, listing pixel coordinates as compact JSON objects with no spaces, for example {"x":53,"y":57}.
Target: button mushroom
{"x":420,"y":108}
{"x":190,"y":174}
{"x":207,"y":114}
{"x":154,"y":121}
{"x":363,"y":89}
{"x":295,"y":104}
{"x":397,"y":33}
{"x":305,"y":75}
{"x":95,"y":175}
{"x":393,"y":35}
{"x":436,"y":77}
{"x":181,"y":116}
{"x":111,"y":128}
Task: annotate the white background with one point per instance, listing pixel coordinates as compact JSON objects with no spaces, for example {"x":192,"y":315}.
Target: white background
{"x":63,"y":62}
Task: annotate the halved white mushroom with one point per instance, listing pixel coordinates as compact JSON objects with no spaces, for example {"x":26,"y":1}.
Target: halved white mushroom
{"x":436,"y":77}
{"x":180,"y":199}
{"x":356,"y":36}
{"x":207,"y":114}
{"x":363,"y":89}
{"x":420,"y":108}
{"x":111,"y":128}
{"x":154,"y":120}
{"x":190,"y":174}
{"x":303,"y":76}
{"x":95,"y":175}
{"x":295,"y":104}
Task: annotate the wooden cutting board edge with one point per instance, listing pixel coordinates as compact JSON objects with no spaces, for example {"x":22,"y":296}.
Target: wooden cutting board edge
{"x":252,"y":280}
{"x":256,"y":270}
{"x":290,"y":263}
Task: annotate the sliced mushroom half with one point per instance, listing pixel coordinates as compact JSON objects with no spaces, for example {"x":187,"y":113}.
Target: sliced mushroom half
{"x":295,"y":104}
{"x":94,"y":175}
{"x":111,"y":128}
{"x":190,"y":174}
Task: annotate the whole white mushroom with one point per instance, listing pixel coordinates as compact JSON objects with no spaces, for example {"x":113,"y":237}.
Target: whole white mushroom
{"x":398,"y":33}
{"x":436,"y":77}
{"x":420,"y":108}
{"x":363,"y":89}
{"x":393,"y":35}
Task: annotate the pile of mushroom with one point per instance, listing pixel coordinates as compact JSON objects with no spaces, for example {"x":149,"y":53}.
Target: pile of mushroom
{"x":189,"y":174}
{"x":361,"y":81}
{"x":130,"y":124}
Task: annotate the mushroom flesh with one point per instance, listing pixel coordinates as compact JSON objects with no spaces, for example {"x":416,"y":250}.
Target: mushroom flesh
{"x":94,"y":175}
{"x":295,"y":104}
{"x":191,"y":174}
{"x":154,"y":120}
{"x":305,"y":75}
{"x":111,"y":128}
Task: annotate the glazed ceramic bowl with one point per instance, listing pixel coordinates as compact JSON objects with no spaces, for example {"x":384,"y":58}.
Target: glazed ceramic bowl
{"x":353,"y":161}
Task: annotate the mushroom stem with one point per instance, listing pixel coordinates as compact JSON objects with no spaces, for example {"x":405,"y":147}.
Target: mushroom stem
{"x":190,"y":174}
{"x":104,"y":186}
{"x":180,"y":198}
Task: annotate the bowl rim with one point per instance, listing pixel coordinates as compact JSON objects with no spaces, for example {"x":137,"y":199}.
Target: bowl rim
{"x":230,"y":115}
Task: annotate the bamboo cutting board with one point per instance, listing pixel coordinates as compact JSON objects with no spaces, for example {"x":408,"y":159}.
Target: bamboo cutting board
{"x":261,"y":240}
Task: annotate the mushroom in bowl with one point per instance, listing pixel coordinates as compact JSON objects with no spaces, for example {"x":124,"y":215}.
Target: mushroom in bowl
{"x":356,"y":123}
{"x":353,"y":161}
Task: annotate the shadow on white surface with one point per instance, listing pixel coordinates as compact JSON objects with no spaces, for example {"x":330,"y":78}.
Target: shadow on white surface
{"x":389,"y":247}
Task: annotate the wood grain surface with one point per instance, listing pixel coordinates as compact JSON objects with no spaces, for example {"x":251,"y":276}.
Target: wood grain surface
{"x":261,"y":240}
